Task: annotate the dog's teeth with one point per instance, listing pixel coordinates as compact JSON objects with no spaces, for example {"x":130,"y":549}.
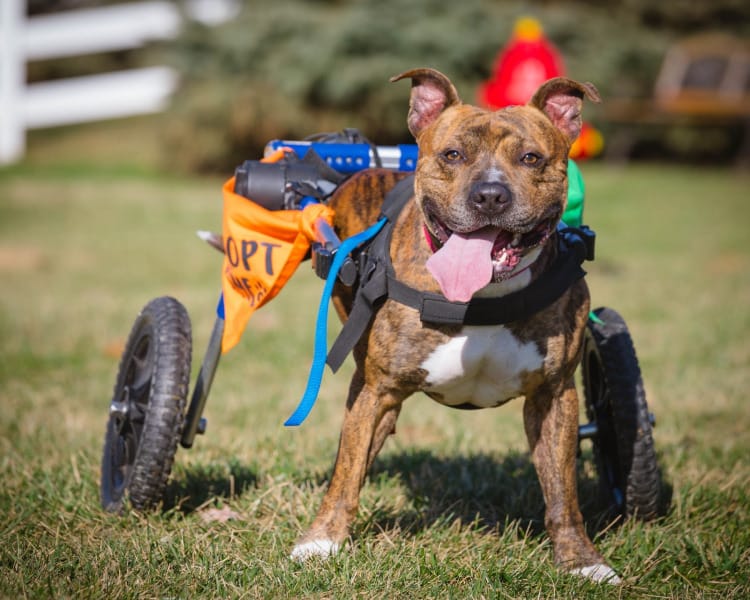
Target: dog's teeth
{"x":516,"y":240}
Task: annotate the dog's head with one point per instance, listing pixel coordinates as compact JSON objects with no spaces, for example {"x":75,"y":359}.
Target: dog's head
{"x":499,"y":177}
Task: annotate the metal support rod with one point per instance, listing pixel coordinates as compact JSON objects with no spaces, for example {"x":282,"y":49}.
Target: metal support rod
{"x":327,"y":238}
{"x":325,"y":234}
{"x":203,"y":385}
{"x":587,"y":431}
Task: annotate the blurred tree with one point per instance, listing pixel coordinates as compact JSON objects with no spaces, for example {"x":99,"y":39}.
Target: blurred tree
{"x":292,"y":68}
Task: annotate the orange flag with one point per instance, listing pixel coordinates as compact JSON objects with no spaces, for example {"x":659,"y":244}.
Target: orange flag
{"x":262,"y":249}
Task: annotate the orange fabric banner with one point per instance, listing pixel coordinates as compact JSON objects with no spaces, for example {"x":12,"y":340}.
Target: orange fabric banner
{"x":262,"y":249}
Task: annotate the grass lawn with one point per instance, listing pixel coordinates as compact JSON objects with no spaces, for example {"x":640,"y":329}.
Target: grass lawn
{"x":452,"y":507}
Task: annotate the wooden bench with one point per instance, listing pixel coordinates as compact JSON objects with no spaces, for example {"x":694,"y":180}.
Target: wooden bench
{"x":703,"y":81}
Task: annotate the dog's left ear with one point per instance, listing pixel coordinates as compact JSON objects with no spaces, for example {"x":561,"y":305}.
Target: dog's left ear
{"x":431,"y":93}
{"x":561,"y":100}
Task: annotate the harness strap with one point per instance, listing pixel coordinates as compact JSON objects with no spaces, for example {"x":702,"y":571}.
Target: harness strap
{"x":373,"y":280}
{"x":540,"y":293}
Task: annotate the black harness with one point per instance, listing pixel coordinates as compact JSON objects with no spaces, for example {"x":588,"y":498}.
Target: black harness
{"x":377,"y":282}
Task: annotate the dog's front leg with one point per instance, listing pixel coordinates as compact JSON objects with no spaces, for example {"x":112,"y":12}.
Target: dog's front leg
{"x":551,"y":423}
{"x":370,"y":415}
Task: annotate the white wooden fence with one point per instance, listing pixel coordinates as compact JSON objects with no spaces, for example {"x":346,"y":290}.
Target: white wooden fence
{"x":75,"y":33}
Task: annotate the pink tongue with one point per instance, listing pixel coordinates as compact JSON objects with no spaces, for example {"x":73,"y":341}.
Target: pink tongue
{"x":464,"y":264}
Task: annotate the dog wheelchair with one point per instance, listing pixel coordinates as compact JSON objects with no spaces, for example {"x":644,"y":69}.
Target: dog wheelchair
{"x":150,"y":416}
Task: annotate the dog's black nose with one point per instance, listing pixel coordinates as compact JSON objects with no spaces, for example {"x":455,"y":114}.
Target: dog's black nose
{"x":490,"y":197}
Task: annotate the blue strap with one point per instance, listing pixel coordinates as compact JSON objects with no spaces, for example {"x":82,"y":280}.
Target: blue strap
{"x":321,"y":327}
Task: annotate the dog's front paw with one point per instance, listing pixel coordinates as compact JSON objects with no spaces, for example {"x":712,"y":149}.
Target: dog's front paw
{"x":319,"y":548}
{"x":599,"y":572}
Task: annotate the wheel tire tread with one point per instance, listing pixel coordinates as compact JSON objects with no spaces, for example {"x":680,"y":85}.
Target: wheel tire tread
{"x":635,"y":444}
{"x":167,"y":396}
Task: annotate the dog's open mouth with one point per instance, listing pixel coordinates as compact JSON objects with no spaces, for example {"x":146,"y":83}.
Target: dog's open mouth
{"x":466,"y":262}
{"x":508,"y":247}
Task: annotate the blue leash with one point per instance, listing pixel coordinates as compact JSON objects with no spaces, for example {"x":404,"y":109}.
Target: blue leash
{"x":320,"y":349}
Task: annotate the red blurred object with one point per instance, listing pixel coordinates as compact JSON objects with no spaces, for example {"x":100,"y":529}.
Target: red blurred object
{"x":589,"y":143}
{"x":528,"y":60}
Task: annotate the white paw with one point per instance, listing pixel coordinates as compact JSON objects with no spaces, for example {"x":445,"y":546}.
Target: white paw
{"x":321,"y":548}
{"x":600,"y":573}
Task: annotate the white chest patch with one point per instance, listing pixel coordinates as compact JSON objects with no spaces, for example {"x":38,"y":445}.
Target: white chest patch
{"x":483,"y":366}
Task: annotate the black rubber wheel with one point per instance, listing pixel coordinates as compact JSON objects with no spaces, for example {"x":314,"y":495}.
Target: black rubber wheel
{"x":616,"y":402}
{"x":146,"y":412}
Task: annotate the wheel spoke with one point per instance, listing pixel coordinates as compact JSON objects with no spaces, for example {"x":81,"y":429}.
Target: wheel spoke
{"x":140,"y":377}
{"x":122,"y":460}
{"x":137,"y":413}
{"x":141,"y":368}
{"x":139,"y":395}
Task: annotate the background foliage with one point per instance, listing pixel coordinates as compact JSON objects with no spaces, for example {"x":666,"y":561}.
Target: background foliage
{"x":289,"y":69}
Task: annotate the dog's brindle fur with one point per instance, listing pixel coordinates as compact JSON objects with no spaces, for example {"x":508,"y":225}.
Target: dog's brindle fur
{"x":400,"y":355}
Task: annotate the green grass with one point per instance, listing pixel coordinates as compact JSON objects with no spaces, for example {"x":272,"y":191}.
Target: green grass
{"x":452,"y":508}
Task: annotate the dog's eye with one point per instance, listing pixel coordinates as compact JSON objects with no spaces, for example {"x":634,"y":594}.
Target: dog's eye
{"x":530,"y":159}
{"x":452,"y":156}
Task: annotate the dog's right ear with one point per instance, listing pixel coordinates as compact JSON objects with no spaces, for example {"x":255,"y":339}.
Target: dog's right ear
{"x":561,"y":99}
{"x":431,"y":93}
